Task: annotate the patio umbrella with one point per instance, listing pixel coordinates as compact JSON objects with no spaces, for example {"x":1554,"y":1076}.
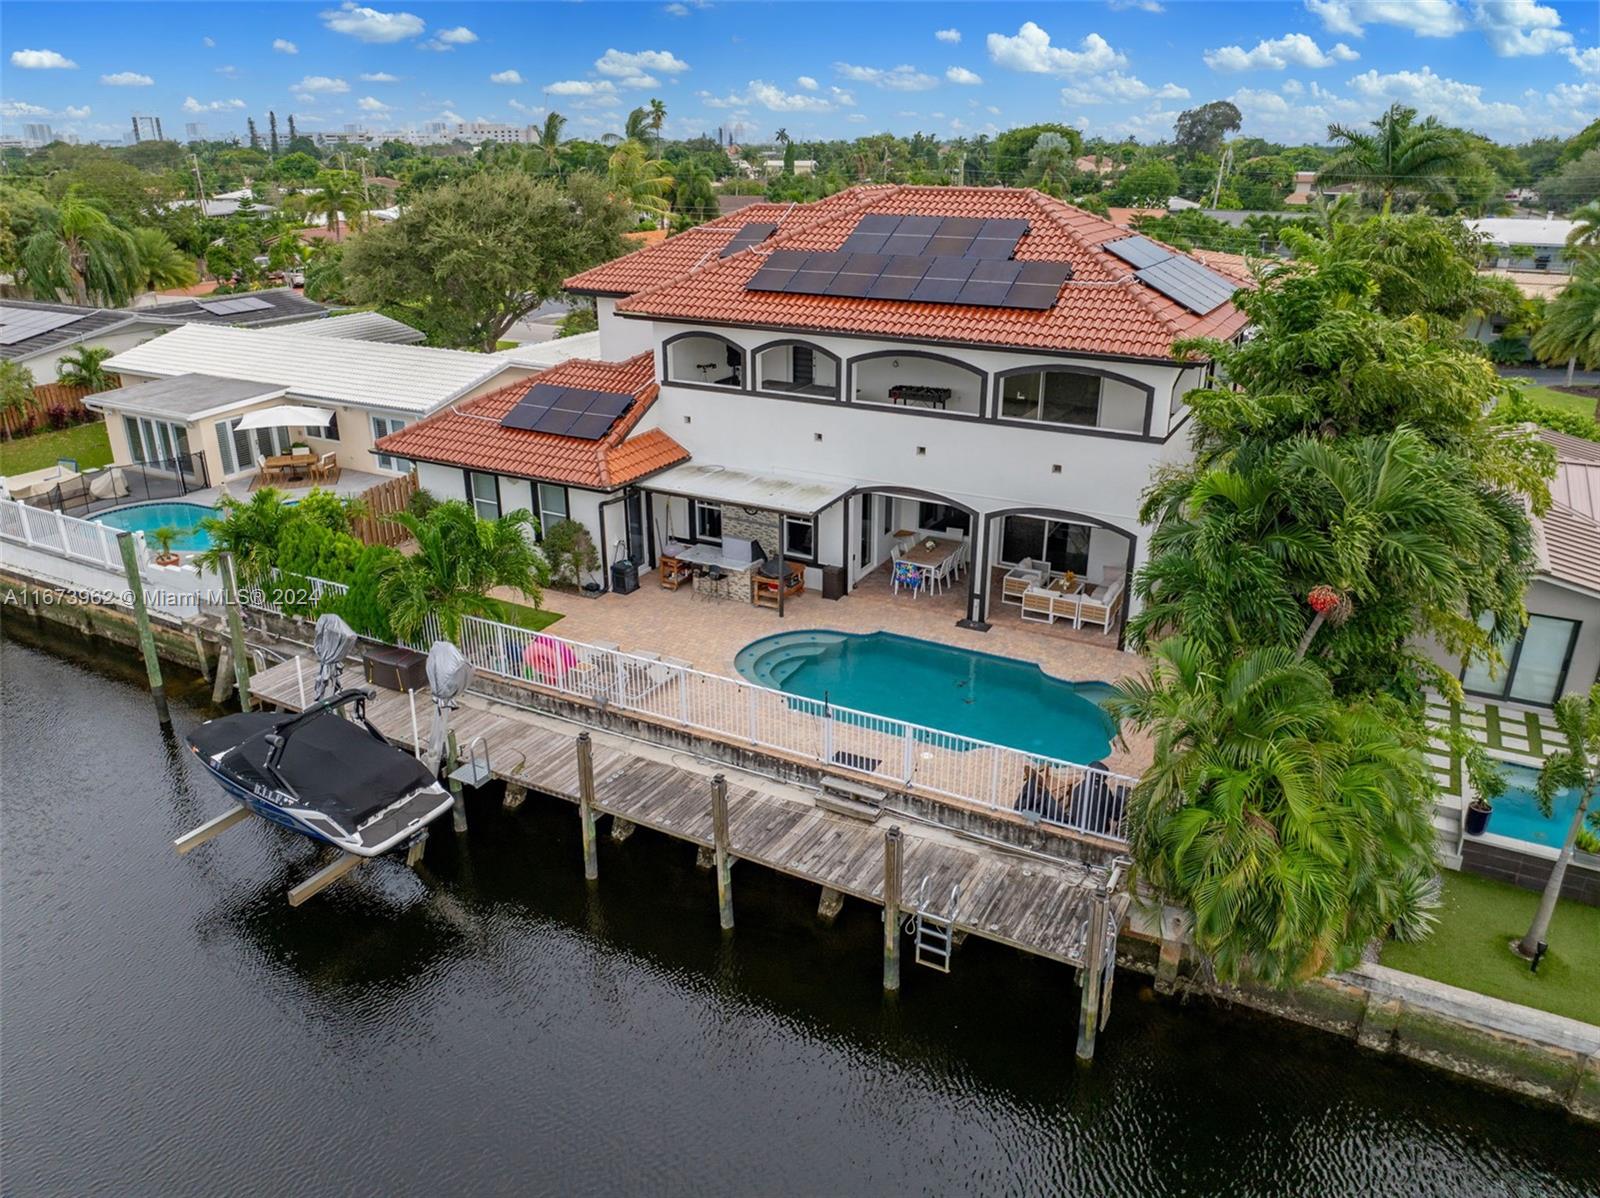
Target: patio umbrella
{"x":287,"y":415}
{"x":333,"y":641}
{"x":448,"y":676}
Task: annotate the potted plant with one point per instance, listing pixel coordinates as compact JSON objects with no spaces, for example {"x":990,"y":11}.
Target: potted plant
{"x":165,"y":537}
{"x":1485,"y":777}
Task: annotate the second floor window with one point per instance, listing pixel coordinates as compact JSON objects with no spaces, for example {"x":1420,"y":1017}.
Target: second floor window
{"x":1051,"y":397}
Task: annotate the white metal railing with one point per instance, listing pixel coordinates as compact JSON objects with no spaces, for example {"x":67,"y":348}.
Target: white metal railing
{"x":288,"y":592}
{"x":63,"y":536}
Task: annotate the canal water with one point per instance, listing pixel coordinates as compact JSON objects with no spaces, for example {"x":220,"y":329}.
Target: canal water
{"x":172,"y":1027}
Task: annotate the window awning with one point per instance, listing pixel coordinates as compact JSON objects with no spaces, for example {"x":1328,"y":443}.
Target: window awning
{"x":795,"y":495}
{"x":287,"y":415}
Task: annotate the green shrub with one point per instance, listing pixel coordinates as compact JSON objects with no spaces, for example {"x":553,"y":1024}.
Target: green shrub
{"x":421,"y":503}
{"x":571,"y":553}
{"x":1509,"y":351}
{"x":360,"y":607}
{"x":325,"y":509}
{"x":1519,"y":409}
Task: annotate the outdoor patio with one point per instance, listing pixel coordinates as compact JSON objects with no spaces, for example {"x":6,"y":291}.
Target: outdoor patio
{"x":349,"y":482}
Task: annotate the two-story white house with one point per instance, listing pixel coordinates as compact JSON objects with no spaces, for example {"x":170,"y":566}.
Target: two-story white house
{"x":840,"y":381}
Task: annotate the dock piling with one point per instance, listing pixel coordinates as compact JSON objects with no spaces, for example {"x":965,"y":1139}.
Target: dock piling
{"x":1093,"y":970}
{"x":721,"y":847}
{"x":591,"y":864}
{"x":141,"y":617}
{"x":241,"y":656}
{"x":458,"y":811}
{"x":893,"y":866}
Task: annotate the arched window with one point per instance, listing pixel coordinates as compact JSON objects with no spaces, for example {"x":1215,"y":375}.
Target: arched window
{"x":917,"y":381}
{"x":705,"y":359}
{"x":797,"y":368}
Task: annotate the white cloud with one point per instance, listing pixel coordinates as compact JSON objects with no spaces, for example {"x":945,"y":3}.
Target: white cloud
{"x":622,"y":65}
{"x":1435,"y":95}
{"x":379,"y":77}
{"x":208,"y":42}
{"x":453,"y":118}
{"x":190,"y":104}
{"x":126,"y":79}
{"x":1587,"y":61}
{"x":1425,"y":18}
{"x":76,"y":113}
{"x":857,"y":118}
{"x":842,"y":97}
{"x":964,"y":76}
{"x":371,"y":104}
{"x":227,"y":72}
{"x":321,"y":85}
{"x":42,"y":60}
{"x":369,"y":25}
{"x":1030,"y":50}
{"x":774,"y":99}
{"x":1116,"y":88}
{"x":528,"y":109}
{"x":21,"y":108}
{"x":902,"y":78}
{"x":448,"y":39}
{"x":950,"y":36}
{"x":807,"y":82}
{"x":1518,"y":28}
{"x":509,"y":77}
{"x":582,"y":87}
{"x":1141,"y":5}
{"x":676,"y":10}
{"x":284,"y":46}
{"x":1278,"y":54}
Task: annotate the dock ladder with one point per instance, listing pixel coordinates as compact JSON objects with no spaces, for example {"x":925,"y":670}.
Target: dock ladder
{"x":474,"y":771}
{"x":934,"y":935}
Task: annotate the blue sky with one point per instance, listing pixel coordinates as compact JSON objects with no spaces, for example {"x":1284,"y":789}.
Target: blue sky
{"x":1509,"y":68}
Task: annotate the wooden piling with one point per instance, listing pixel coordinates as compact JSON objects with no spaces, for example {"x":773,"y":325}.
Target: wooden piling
{"x":1094,"y":950}
{"x":200,"y":652}
{"x":141,"y":617}
{"x":893,"y":866}
{"x":722,"y":848}
{"x":221,"y":682}
{"x":829,"y":905}
{"x":241,"y":656}
{"x":591,"y":863}
{"x":458,"y":812}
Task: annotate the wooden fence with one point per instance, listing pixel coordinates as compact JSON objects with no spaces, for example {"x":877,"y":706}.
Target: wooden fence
{"x":382,"y":501}
{"x":36,"y":415}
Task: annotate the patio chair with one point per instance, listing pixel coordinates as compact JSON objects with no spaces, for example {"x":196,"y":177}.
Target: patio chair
{"x":326,"y":468}
{"x":906,"y":574}
{"x":1019,"y":578}
{"x":1038,"y":606}
{"x":1101,"y":608}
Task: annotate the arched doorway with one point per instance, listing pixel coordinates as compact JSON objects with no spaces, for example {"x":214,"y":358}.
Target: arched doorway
{"x":1093,"y":548}
{"x":878,"y":516}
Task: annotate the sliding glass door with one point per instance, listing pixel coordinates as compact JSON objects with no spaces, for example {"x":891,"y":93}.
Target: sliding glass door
{"x":1536,"y":664}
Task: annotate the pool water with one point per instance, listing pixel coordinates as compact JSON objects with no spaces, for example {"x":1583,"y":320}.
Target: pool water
{"x":997,"y":699}
{"x":1517,"y":814}
{"x":147,"y":517}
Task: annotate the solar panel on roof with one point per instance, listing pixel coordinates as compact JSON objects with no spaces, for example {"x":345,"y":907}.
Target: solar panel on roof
{"x":1037,"y":286}
{"x":777,"y":270}
{"x":906,"y":242}
{"x":23,"y":324}
{"x":814,"y":276}
{"x":900,"y":278}
{"x":230,"y":307}
{"x":856,"y":275}
{"x":997,"y":238}
{"x":944,"y":280}
{"x":950,"y":244}
{"x":960,"y":226}
{"x":884,"y":223}
{"x":753,"y":233}
{"x":591,"y":426}
{"x":567,"y":411}
{"x":990,"y":283}
{"x":1184,"y":280}
{"x":1137,"y":252}
{"x":863,"y":243}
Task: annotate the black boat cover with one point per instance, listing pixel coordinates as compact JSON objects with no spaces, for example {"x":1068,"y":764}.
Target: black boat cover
{"x":335,"y":765}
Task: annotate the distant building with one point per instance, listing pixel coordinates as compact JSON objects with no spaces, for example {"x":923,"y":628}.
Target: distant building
{"x":147,"y":128}
{"x":1305,"y":189}
{"x":195,"y":131}
{"x":1525,"y":243}
{"x":1096,"y":164}
{"x":38,"y":135}
{"x":803,"y":167}
{"x":479,"y":131}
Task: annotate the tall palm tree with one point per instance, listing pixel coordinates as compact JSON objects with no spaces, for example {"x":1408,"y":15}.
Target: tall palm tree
{"x":646,"y":183}
{"x":1571,"y":327}
{"x":85,"y":367}
{"x":1400,"y":156}
{"x":658,"y":117}
{"x":459,"y":559}
{"x":16,"y":394}
{"x":781,"y":137}
{"x":692,"y":191}
{"x":161,"y":263}
{"x":549,"y":139}
{"x":76,"y":250}
{"x":635,"y":127}
{"x":1576,"y":768}
{"x":1293,"y":826}
{"x":1585,"y":226}
{"x":337,"y":197}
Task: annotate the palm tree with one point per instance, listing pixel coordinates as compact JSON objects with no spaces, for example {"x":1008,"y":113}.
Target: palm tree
{"x":549,"y":139}
{"x":1577,"y":768}
{"x":16,"y":394}
{"x":1401,"y":156}
{"x":634,"y":128}
{"x":337,"y":195}
{"x":781,"y":137}
{"x":78,"y":251}
{"x":658,"y":117}
{"x":1571,"y":328}
{"x":1585,"y":226}
{"x":646,"y":183}
{"x":692,"y":190}
{"x":249,"y":531}
{"x":161,"y":263}
{"x":85,"y":367}
{"x":1049,"y":162}
{"x":459,"y":559}
{"x":1293,"y":826}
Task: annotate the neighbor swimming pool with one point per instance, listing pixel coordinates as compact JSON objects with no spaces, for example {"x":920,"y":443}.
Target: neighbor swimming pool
{"x":998,"y":699}
{"x":147,"y":517}
{"x":1517,"y":814}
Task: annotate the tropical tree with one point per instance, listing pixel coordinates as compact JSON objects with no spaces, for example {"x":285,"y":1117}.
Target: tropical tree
{"x":336,"y":197}
{"x":250,"y":530}
{"x":1585,"y":226}
{"x":78,"y":252}
{"x":693,"y":193}
{"x":1399,"y":157}
{"x":85,"y":367}
{"x":1292,"y":825}
{"x":16,"y":393}
{"x":1202,"y":130}
{"x":1050,"y":163}
{"x":645,"y":183}
{"x":548,"y":140}
{"x":658,"y":117}
{"x":1571,"y":328}
{"x":161,"y":264}
{"x":1575,"y":768}
{"x":459,"y":559}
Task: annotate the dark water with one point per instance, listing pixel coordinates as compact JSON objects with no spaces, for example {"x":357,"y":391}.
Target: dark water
{"x":172,"y":1027}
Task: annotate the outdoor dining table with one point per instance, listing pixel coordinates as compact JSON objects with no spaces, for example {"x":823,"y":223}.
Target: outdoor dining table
{"x":918,"y":553}
{"x":289,"y":464}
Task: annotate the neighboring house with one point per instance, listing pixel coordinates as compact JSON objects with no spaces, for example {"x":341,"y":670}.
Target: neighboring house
{"x":1525,"y":243}
{"x":833,"y":419}
{"x":726,"y":205}
{"x":361,"y":326}
{"x":1096,"y":164}
{"x":803,"y":167}
{"x":184,"y":394}
{"x":39,"y":334}
{"x":1305,"y":189}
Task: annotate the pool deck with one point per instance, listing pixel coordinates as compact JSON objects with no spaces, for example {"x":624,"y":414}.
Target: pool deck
{"x":349,"y":482}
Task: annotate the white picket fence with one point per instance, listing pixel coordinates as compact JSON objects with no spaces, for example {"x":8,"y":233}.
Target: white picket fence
{"x":64,"y":536}
{"x":954,"y":769}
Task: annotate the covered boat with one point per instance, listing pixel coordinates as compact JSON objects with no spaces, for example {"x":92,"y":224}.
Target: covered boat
{"x":333,"y":779}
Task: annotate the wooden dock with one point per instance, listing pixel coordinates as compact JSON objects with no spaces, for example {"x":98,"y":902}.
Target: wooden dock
{"x":1031,"y":902}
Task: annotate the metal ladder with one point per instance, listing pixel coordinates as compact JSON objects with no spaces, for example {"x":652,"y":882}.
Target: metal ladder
{"x":474,"y":771}
{"x":934,"y":935}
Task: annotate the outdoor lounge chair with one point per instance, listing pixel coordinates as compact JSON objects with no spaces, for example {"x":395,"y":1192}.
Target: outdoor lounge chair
{"x":326,"y":468}
{"x":1038,"y":605}
{"x":1037,"y":797}
{"x":1101,"y":608}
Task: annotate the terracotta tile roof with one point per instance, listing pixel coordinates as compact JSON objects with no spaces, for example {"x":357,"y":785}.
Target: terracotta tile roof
{"x":645,"y":237}
{"x":681,"y":253}
{"x":1124,"y":217}
{"x":1102,"y":310}
{"x":1234,"y":266}
{"x":470,"y":434}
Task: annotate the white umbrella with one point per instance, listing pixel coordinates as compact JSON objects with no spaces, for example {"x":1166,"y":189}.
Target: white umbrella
{"x":287,"y":416}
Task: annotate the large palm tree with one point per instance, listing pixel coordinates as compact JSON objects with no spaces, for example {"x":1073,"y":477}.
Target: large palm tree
{"x":85,"y":367}
{"x":635,"y":128}
{"x":548,"y":140}
{"x":77,"y":251}
{"x":161,"y":263}
{"x":1293,"y":826}
{"x":646,"y":183}
{"x":337,"y":198}
{"x":1571,"y":329}
{"x":1585,"y":226}
{"x":1575,"y":768}
{"x":658,"y":117}
{"x":459,"y":559}
{"x":1400,"y":156}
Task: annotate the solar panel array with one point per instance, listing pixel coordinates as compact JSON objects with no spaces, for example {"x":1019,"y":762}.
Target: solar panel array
{"x":748,"y":235}
{"x":567,"y":411}
{"x":1175,"y":276}
{"x":925,"y":278}
{"x":22,"y":324}
{"x":935,"y":236}
{"x":229,"y":307}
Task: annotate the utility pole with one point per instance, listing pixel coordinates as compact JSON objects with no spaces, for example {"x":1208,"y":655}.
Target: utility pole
{"x":199,"y":187}
{"x":1223,"y":167}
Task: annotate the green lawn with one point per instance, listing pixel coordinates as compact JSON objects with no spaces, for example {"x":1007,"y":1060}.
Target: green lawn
{"x":1583,"y":405}
{"x":85,"y":442}
{"x":523,"y":616}
{"x":1469,"y":948}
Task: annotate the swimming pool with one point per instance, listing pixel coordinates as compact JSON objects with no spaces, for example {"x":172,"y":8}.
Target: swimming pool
{"x":1517,"y":814}
{"x":998,"y":699}
{"x":147,"y":517}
